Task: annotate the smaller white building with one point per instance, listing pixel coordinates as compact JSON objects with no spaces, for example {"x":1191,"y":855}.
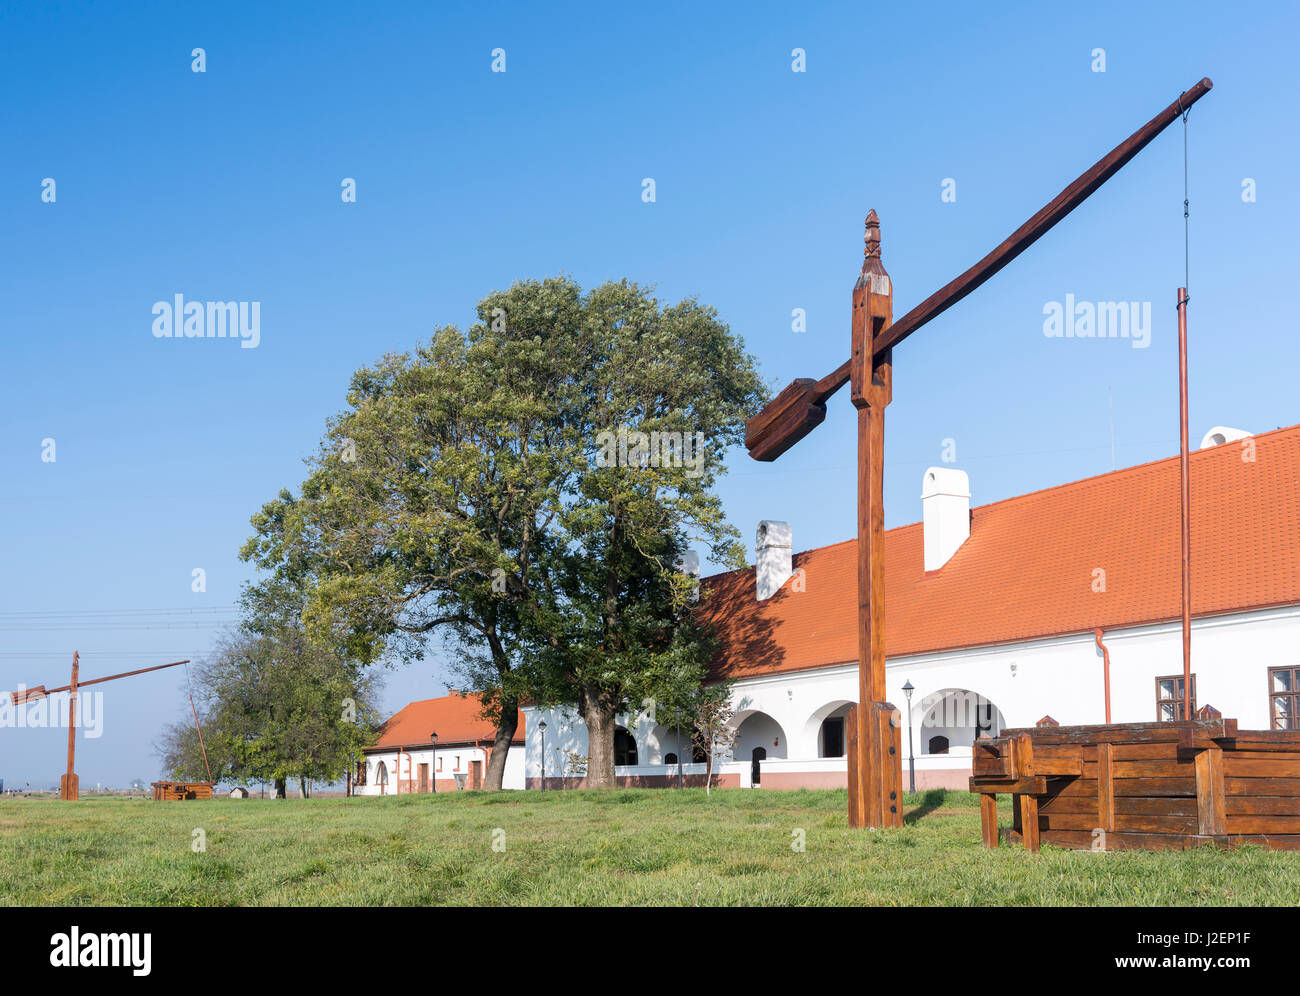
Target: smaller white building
{"x":436,"y":745}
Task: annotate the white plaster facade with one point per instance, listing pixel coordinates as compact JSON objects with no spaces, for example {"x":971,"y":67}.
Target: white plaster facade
{"x":1009,"y":685}
{"x":382,"y":769}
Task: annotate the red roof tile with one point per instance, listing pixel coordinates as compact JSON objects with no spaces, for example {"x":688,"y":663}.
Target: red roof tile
{"x":1027,"y":569}
{"x":456,"y":718}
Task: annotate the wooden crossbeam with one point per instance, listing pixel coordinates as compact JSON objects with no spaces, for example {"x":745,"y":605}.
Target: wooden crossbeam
{"x":800,"y":408}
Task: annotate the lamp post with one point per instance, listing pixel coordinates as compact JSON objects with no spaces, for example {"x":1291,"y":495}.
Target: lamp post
{"x":677,"y":719}
{"x":542,"y":728}
{"x":433,"y":763}
{"x":911,"y":758}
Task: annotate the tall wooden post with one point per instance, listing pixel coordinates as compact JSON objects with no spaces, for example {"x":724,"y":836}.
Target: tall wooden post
{"x":68,"y":788}
{"x":876,"y":765}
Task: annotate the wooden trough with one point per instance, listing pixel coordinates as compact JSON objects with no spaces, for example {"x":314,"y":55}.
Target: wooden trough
{"x":163,"y":791}
{"x":1151,"y":786}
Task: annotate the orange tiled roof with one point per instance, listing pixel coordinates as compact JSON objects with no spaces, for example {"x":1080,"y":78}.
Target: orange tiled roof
{"x":455,"y":718}
{"x":1027,"y":569}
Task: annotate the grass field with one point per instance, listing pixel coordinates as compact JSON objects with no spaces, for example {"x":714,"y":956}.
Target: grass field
{"x":641,"y":847}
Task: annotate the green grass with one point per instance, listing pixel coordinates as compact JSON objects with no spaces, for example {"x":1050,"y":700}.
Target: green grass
{"x":626,"y":847}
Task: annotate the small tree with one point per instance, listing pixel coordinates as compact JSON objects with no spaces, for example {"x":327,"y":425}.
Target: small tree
{"x":711,"y":729}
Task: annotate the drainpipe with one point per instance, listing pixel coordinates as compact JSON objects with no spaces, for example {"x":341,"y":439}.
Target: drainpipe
{"x":1105,"y":656}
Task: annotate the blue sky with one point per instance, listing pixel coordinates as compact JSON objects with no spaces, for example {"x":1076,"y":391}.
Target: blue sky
{"x":225,"y":185}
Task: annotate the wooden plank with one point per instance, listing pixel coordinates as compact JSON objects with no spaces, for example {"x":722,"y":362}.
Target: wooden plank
{"x":1209,"y":792}
{"x":1128,"y":823}
{"x":1154,"y":769}
{"x":1165,"y":806}
{"x":1105,"y":787}
{"x":989,"y":819}
{"x":1082,"y":840}
{"x":1129,"y":733}
{"x":1259,"y":786}
{"x":1029,"y":821}
{"x":1262,"y":805}
{"x":1152,"y":787}
{"x":1245,"y":767}
{"x":891,"y":771}
{"x":1263,"y":824}
{"x":1031,"y":786}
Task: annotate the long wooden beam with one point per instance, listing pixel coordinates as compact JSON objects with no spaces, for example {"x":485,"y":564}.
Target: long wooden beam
{"x":800,"y":408}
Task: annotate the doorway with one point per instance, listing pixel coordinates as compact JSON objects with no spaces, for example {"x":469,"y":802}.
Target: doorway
{"x":424,"y":778}
{"x":755,"y":769}
{"x":475,"y":774}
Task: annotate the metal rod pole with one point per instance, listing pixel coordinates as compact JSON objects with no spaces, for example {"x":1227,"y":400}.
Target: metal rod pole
{"x":194,"y":712}
{"x":1186,"y":501}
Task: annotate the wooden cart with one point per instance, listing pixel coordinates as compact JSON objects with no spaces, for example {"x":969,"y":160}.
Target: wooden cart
{"x":1142,"y":785}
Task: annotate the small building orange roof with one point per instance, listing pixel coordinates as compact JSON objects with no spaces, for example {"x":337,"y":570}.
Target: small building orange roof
{"x":1029,"y":568}
{"x":457,"y":719}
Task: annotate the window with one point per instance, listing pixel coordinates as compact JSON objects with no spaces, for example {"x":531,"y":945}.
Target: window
{"x":439,"y":764}
{"x":624,"y":747}
{"x":457,"y":768}
{"x":1284,"y":697}
{"x":670,"y":759}
{"x":938,"y":745}
{"x":1169,"y":698}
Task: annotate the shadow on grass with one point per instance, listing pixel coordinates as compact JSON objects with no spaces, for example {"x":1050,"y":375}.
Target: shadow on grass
{"x":930,"y":801}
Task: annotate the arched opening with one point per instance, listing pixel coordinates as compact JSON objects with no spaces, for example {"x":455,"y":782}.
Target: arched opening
{"x":624,"y":747}
{"x":827,"y":728}
{"x":381,"y":777}
{"x":952,"y":719}
{"x":666,"y":741}
{"x":758,"y":729}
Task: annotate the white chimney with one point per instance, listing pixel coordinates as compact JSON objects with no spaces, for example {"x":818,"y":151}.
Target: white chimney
{"x":1221,"y":434}
{"x":690,"y":564}
{"x":945,"y":514}
{"x":775,"y":562}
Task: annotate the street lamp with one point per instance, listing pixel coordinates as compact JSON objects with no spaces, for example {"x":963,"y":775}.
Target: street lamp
{"x":911,"y":759}
{"x":433,"y":762}
{"x":542,"y":727}
{"x":677,"y":718}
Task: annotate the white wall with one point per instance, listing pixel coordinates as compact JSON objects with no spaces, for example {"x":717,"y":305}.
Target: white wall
{"x":1061,"y":677}
{"x":411,"y":760}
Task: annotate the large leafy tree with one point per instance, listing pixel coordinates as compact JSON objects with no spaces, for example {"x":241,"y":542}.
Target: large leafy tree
{"x":613,"y":612}
{"x":434,"y":495}
{"x":503,"y":487}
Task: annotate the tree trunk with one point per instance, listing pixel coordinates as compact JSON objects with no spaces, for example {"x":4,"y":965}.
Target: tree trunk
{"x":281,"y":788}
{"x":496,"y":765}
{"x":303,"y":790}
{"x":708,"y":771}
{"x":598,"y":713}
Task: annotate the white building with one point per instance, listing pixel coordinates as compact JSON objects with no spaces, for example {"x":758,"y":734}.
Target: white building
{"x":406,"y":759}
{"x":1062,"y":603}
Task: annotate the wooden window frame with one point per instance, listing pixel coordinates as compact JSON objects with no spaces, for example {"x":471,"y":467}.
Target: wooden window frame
{"x":1293,"y":695}
{"x":1177,"y":700}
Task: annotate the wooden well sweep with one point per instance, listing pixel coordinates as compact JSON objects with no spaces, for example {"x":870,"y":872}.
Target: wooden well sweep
{"x":1142,"y":785}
